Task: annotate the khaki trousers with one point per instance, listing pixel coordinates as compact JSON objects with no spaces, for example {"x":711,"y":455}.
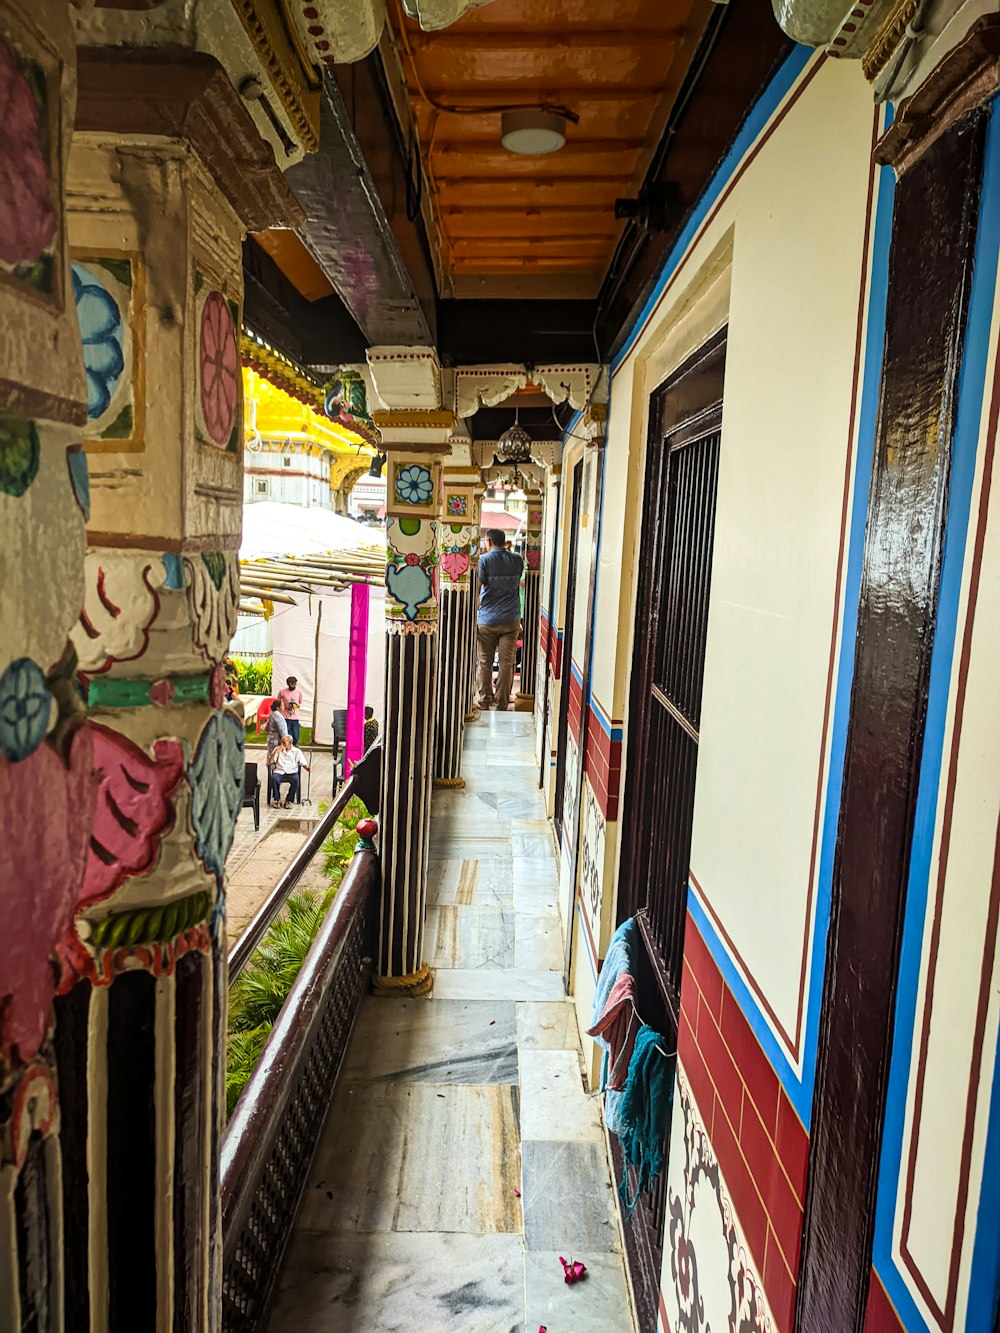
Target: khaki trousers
{"x":490,"y":639}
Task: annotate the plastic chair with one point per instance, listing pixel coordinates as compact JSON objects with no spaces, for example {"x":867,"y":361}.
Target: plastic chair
{"x":251,"y":792}
{"x":339,"y":742}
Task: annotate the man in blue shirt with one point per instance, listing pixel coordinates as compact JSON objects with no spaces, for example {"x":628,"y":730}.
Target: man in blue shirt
{"x":498,"y":619}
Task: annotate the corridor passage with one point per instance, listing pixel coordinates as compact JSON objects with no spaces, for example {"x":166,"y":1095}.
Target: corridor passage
{"x":462,"y":1156}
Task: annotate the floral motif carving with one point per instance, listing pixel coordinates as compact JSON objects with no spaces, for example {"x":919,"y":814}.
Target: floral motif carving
{"x":25,"y":709}
{"x":28,"y":221}
{"x":414,"y":484}
{"x":216,"y":778}
{"x":121,"y":604}
{"x":43,"y":855}
{"x":214,"y":594}
{"x":220,"y":369}
{"x":102,"y":331}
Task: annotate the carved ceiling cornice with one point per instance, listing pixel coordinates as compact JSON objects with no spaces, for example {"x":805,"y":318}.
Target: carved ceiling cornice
{"x":285,"y":60}
{"x":967,"y":77}
{"x":186,"y":95}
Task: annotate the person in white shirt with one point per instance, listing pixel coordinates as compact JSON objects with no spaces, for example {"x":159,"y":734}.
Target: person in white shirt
{"x":285,"y":763}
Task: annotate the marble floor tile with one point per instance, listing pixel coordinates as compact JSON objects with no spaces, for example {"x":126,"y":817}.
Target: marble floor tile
{"x":468,"y":824}
{"x":533,"y":845}
{"x":538,"y":942}
{"x":553,"y":1102}
{"x":598,"y":1304}
{"x":433,"y":1041}
{"x":402,"y":1283}
{"x":567,"y":1199}
{"x":470,"y":882}
{"x":417,"y":1157}
{"x":550,"y":1026}
{"x":524,"y":805}
{"x":469,"y":937}
{"x":536,"y":884}
{"x":489,"y":984}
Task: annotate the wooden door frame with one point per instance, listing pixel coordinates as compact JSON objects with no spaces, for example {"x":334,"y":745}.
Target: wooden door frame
{"x":553,"y":589}
{"x":566,"y":652}
{"x":930,"y":274}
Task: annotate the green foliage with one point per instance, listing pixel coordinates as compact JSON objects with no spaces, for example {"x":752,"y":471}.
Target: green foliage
{"x":253,"y":676}
{"x":339,"y":846}
{"x":258,"y":993}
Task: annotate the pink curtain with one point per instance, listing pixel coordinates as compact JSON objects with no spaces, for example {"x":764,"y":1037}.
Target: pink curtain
{"x":356,"y":673}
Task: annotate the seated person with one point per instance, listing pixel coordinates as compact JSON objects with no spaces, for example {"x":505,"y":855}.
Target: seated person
{"x":285,"y":763}
{"x":371,"y":729}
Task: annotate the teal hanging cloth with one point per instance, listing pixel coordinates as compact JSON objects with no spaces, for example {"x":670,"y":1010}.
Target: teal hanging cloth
{"x":644,"y":1113}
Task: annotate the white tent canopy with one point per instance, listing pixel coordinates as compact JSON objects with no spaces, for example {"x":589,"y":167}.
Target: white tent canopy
{"x":310,"y":638}
{"x":274,"y":529}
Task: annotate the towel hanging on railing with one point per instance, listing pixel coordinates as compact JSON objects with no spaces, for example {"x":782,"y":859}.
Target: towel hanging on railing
{"x":643,"y":1113}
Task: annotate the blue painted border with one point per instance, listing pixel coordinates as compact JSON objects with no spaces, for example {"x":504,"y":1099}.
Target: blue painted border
{"x":800,"y":1088}
{"x":972,"y":386}
{"x":761,"y":112}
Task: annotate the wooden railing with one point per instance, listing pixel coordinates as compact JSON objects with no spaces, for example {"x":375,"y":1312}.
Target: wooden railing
{"x":363,"y":782}
{"x":272,"y":1134}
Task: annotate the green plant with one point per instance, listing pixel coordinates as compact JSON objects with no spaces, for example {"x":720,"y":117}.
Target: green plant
{"x":253,"y":676}
{"x":257,"y":994}
{"x":339,"y":846}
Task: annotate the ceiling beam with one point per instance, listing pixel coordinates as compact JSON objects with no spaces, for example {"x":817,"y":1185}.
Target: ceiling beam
{"x":479,"y":37}
{"x":357,"y":227}
{"x":517,"y":94}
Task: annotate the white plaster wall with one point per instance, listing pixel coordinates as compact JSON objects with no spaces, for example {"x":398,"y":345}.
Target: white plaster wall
{"x":783,"y":255}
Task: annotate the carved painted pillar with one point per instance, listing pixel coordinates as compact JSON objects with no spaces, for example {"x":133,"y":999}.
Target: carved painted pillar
{"x":458,"y":537}
{"x":48,"y":777}
{"x":532,"y":571}
{"x":156,"y":225}
{"x":413,"y":489}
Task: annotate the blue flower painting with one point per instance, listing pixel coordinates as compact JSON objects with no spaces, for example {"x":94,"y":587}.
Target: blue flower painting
{"x":25,"y":707}
{"x":414,"y":485}
{"x":103,"y":335}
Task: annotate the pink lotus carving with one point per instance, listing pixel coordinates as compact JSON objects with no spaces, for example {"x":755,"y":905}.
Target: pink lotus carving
{"x":43,"y":855}
{"x":27,"y":217}
{"x":132,"y":812}
{"x":220,"y":368}
{"x":454,"y":564}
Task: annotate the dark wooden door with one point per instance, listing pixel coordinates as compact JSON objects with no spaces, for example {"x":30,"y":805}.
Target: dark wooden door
{"x":664,"y":722}
{"x":565,"y":669}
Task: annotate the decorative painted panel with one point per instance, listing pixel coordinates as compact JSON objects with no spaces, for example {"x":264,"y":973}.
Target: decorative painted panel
{"x":219,"y":408}
{"x":413,"y":486}
{"x":109,"y":292}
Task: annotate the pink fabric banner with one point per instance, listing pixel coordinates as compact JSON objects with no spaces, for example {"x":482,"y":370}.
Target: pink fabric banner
{"x":357,"y":668}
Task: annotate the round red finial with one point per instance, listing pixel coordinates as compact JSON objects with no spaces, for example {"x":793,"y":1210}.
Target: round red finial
{"x":366,"y":828}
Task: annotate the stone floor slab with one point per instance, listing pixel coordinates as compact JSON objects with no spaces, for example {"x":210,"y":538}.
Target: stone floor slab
{"x":484,"y":984}
{"x":433,"y":1041}
{"x":417,"y":1157}
{"x":469,"y":937}
{"x":400,"y":1284}
{"x":567,"y":1198}
{"x":548,"y":1025}
{"x":598,"y":1304}
{"x":554,"y":1105}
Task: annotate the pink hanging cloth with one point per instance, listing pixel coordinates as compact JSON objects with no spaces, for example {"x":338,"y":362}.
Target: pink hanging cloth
{"x":357,"y":670}
{"x":618,"y":1026}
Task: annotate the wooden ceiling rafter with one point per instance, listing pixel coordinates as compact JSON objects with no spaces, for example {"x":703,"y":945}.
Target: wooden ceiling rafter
{"x":608,"y":62}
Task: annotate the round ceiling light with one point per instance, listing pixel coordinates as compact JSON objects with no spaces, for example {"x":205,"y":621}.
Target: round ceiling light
{"x":532,"y":133}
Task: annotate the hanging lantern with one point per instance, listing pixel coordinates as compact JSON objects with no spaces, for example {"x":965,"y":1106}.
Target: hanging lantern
{"x":515,"y":444}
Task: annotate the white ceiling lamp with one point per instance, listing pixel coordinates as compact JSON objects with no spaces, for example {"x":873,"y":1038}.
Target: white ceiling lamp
{"x":533,"y":133}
